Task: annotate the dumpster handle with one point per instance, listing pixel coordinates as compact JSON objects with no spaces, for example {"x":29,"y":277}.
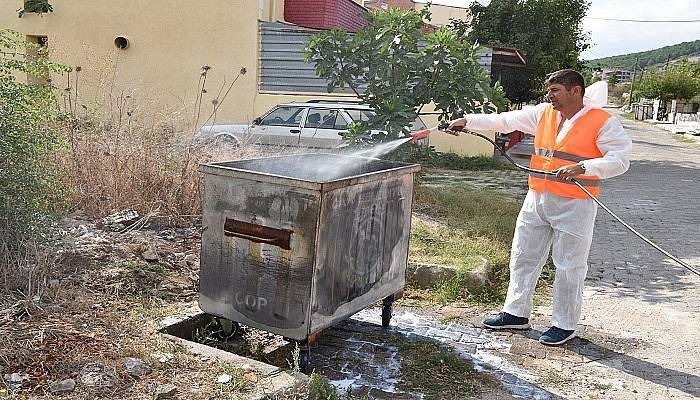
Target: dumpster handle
{"x":251,"y":237}
{"x":257,"y":233}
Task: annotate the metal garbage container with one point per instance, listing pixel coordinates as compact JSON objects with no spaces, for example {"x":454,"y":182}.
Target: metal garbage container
{"x":293,"y":244}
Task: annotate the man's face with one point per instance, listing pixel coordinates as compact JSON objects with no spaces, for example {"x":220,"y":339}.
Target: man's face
{"x":561,"y":97}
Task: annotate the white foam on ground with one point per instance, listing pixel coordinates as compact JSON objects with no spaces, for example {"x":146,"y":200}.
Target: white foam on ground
{"x":464,"y":340}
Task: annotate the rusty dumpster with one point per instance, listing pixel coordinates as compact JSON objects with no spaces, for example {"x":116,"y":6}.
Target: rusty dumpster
{"x":293,"y":244}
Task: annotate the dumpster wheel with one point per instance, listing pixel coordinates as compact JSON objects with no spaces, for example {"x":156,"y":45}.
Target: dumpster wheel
{"x":387,"y":307}
{"x":226,"y":328}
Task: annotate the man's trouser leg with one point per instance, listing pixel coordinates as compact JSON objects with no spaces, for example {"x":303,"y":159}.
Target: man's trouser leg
{"x":531,"y":243}
{"x":573,"y":233}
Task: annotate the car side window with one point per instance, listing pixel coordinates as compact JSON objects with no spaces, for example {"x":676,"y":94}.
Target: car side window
{"x":320,"y":118}
{"x":283,"y":116}
{"x":340,"y":123}
{"x":360,"y":115}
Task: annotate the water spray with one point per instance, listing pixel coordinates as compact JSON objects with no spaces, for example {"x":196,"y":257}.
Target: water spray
{"x":443,"y":127}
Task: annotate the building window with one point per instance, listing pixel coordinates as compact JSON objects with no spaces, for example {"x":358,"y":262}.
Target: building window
{"x":37,"y":58}
{"x":35,"y":6}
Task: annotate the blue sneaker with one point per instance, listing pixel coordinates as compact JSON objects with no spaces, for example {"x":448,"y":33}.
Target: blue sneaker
{"x":507,"y":321}
{"x":555,"y":336}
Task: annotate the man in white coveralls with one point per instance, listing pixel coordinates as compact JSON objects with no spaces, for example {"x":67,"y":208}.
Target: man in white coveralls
{"x":577,"y":140}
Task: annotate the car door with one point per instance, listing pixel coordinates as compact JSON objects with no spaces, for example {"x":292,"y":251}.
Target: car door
{"x":323,"y":127}
{"x":280,"y":126}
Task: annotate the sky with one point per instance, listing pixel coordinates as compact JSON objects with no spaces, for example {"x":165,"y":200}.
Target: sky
{"x":609,"y":38}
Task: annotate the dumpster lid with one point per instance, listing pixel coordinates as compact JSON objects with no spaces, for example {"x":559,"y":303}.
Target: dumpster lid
{"x":314,"y":169}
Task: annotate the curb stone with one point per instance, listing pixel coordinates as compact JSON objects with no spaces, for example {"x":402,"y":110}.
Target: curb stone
{"x":428,"y":276}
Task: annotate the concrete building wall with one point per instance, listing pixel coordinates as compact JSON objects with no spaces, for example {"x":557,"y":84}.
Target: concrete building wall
{"x":440,"y":14}
{"x":273,"y":10}
{"x":169,"y":42}
{"x":386,"y":4}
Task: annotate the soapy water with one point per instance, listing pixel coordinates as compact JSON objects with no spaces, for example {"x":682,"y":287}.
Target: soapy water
{"x":352,"y":163}
{"x":323,"y":167}
{"x":378,"y":150}
{"x":382,"y":365}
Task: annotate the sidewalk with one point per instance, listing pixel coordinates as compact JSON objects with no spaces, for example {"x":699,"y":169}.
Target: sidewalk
{"x":637,"y":293}
{"x":687,"y":129}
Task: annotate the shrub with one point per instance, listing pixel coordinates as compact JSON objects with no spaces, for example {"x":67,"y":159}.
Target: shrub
{"x":397,"y":67}
{"x":29,"y":189}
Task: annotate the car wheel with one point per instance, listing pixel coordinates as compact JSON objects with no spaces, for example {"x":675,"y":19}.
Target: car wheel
{"x":225,"y":140}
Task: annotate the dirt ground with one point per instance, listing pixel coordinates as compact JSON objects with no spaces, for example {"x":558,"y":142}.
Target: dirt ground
{"x":111,"y":291}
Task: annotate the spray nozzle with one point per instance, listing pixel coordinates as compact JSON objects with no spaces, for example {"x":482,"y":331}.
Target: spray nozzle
{"x":442,"y":126}
{"x":415,"y":136}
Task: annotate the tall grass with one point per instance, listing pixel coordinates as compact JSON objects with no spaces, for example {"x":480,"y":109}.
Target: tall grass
{"x":26,"y":270}
{"x":115,"y":163}
{"x":147,"y":163}
{"x":117,"y":149}
{"x":475,"y":223}
{"x":129,"y":150}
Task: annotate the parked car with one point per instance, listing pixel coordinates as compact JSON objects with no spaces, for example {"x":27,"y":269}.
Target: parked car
{"x":315,"y":123}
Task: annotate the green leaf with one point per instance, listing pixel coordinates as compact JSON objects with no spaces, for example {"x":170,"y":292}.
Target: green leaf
{"x":403,"y":70}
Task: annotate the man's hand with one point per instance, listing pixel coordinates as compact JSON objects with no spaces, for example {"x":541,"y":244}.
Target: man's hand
{"x":570,"y":171}
{"x":456,"y":126}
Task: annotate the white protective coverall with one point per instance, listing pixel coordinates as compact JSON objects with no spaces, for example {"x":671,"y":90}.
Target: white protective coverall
{"x":549,"y":221}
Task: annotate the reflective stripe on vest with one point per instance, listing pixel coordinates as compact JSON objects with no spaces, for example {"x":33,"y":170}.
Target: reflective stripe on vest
{"x":578,"y":145}
{"x":547,"y":153}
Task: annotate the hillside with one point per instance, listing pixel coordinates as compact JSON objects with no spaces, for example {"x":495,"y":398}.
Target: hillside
{"x":649,"y":57}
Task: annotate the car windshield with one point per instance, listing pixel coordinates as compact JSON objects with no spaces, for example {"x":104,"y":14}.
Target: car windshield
{"x":283,"y":116}
{"x":322,"y":119}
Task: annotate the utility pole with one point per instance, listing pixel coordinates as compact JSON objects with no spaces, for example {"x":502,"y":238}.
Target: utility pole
{"x":634,"y":76}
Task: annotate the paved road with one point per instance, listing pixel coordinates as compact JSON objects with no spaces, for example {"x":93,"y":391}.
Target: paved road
{"x":641,"y":314}
{"x":634,"y":291}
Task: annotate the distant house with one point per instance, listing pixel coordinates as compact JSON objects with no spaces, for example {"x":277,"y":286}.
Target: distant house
{"x":622,"y":75}
{"x":441,"y":14}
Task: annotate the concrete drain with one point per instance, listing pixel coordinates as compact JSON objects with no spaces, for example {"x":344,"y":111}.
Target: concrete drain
{"x":357,"y":355}
{"x":185,"y":329}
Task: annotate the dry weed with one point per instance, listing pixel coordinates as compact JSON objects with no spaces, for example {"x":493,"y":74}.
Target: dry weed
{"x":25,"y":275}
{"x":149,"y":165}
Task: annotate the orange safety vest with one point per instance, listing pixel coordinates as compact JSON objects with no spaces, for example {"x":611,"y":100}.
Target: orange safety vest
{"x":578,"y":145}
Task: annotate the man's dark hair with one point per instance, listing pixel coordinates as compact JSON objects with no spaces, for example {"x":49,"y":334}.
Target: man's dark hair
{"x":567,"y":77}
